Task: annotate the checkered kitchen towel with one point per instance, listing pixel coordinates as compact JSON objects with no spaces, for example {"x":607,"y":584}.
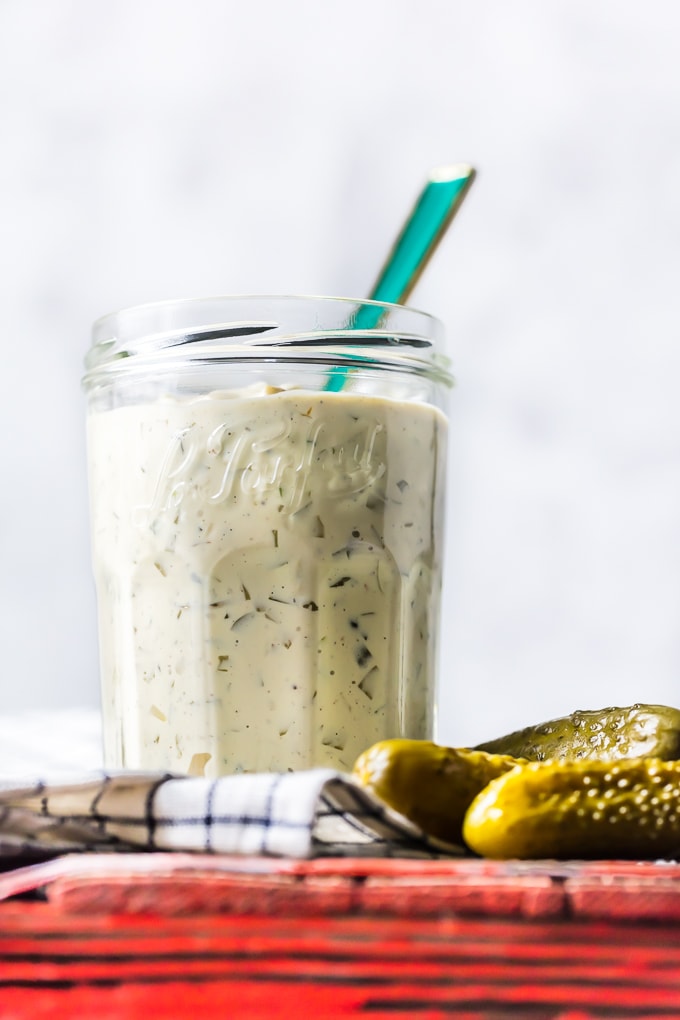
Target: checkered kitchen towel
{"x":298,"y":814}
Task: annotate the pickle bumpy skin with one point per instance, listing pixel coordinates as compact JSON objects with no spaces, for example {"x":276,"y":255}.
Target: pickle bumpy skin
{"x":637,"y":731}
{"x":616,"y":810}
{"x":430,"y":785}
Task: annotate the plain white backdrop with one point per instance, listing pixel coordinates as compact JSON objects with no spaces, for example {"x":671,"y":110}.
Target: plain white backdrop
{"x":180,"y":148}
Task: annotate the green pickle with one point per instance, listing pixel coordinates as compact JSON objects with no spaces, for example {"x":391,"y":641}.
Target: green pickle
{"x":638,"y":731}
{"x":430,"y":785}
{"x":579,"y":809}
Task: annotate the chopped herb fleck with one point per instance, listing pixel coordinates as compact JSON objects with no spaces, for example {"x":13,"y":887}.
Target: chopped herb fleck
{"x":318,"y":530}
{"x":341,"y":582}
{"x":362,"y":655}
{"x":345,"y":549}
{"x":337,"y":741}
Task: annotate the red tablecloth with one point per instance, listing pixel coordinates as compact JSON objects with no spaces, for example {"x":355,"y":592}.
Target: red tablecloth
{"x":471,"y":939}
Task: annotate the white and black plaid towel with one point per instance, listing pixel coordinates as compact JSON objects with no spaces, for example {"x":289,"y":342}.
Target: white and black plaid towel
{"x":297,"y":814}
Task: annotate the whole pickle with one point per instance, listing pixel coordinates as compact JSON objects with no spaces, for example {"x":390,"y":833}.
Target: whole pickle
{"x":431,"y":785}
{"x":579,"y":809}
{"x":638,"y":731}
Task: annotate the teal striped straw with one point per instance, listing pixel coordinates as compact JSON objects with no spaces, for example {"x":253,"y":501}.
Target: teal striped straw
{"x":435,"y":207}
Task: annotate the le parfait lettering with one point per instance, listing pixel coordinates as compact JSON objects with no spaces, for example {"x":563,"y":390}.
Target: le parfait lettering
{"x":224,"y":463}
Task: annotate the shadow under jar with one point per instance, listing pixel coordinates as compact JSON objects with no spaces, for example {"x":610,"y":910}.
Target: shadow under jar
{"x":267,"y":481}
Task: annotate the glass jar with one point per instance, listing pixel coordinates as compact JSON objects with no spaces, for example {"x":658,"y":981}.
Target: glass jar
{"x":267,"y":482}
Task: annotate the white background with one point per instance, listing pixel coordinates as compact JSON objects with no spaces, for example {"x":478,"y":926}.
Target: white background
{"x":158,"y":148}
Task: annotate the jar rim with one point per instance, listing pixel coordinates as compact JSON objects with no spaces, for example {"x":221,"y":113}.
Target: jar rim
{"x":336,"y":330}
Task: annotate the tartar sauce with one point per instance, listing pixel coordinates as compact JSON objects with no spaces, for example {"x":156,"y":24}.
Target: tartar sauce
{"x":268,"y":572}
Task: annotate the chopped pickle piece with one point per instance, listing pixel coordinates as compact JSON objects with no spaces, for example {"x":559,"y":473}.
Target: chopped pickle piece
{"x":198,"y":763}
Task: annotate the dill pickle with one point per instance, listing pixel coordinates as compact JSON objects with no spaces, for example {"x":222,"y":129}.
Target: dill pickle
{"x":638,"y":731}
{"x":579,"y":809}
{"x":430,"y":785}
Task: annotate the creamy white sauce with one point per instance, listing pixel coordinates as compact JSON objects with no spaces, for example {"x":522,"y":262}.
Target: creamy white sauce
{"x":268,"y":575}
